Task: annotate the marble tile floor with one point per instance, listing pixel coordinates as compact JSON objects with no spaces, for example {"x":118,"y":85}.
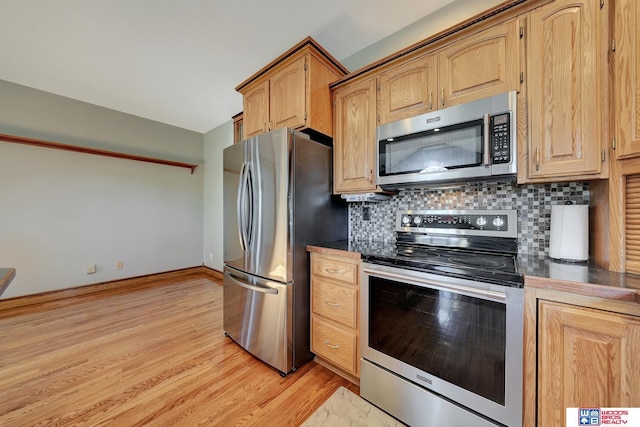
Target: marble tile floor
{"x":346,"y":409}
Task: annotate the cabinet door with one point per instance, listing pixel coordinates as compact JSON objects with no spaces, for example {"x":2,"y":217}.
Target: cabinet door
{"x":586,"y":358}
{"x":627,"y":78}
{"x":408,"y":90}
{"x":481,"y":65}
{"x":355,"y":138}
{"x":255,"y":104}
{"x":287,"y":91}
{"x":564,"y":89}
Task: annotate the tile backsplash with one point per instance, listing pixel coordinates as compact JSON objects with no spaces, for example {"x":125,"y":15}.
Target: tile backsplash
{"x":533,"y":203}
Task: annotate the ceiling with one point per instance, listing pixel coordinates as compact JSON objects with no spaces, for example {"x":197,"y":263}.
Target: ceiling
{"x":178,"y":61}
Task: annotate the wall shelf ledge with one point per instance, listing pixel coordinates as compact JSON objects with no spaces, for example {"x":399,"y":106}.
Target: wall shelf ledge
{"x":87,"y":150}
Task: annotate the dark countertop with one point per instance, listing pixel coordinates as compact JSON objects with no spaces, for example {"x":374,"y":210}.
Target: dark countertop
{"x":6,"y":276}
{"x":355,"y":247}
{"x":585,"y":279}
{"x":590,"y":273}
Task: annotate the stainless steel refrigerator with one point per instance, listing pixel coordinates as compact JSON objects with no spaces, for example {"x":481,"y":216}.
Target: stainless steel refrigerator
{"x":277,"y":199}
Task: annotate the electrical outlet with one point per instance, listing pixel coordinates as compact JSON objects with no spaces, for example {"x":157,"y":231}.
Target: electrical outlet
{"x":210,"y":256}
{"x":366,"y":213}
{"x":91,"y":269}
{"x":119,"y":265}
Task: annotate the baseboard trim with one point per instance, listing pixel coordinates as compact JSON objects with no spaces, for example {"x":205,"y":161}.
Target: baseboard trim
{"x":213,"y":272}
{"x":61,"y":294}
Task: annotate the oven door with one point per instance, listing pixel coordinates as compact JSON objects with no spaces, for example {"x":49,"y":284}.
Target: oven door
{"x":456,"y":338}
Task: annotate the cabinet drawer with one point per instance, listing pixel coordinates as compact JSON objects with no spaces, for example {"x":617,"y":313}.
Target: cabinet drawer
{"x":334,"y":269}
{"x":335,"y":345}
{"x":338,"y":303}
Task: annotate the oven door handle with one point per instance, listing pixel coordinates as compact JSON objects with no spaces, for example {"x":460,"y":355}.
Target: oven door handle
{"x":485,"y":293}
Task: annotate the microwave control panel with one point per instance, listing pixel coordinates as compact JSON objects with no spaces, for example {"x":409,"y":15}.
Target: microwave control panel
{"x":500,"y":137}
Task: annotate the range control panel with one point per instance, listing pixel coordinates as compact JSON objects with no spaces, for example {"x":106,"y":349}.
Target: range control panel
{"x":476,"y":222}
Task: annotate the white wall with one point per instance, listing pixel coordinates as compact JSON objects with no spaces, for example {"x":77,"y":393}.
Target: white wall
{"x":61,"y":211}
{"x":215,"y":141}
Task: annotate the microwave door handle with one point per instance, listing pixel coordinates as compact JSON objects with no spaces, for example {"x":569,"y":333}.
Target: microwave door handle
{"x":487,"y":142}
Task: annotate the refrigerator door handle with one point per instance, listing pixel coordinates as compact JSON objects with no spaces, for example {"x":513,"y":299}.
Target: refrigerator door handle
{"x":262,"y":289}
{"x":251,"y":185}
{"x":241,"y":206}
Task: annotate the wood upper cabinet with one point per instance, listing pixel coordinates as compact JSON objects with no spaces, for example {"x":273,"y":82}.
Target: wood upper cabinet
{"x":354,"y":142}
{"x":287,"y":95}
{"x":292,"y":91}
{"x":277,"y":101}
{"x":238,"y":128}
{"x":482,"y":64}
{"x":586,"y":358}
{"x":255,"y":104}
{"x":627,"y":78}
{"x":479,"y":65}
{"x":408,"y":89}
{"x":566,"y":53}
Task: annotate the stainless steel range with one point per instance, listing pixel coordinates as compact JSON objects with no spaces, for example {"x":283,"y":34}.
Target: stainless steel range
{"x":442,"y":320}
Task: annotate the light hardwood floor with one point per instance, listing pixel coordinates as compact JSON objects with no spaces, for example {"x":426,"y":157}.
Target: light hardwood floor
{"x":153,"y":354}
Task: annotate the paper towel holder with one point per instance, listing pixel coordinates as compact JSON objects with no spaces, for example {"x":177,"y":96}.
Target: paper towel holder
{"x":569,"y":237}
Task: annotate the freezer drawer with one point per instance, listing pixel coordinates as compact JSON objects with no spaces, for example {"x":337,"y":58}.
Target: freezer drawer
{"x":257,"y":315}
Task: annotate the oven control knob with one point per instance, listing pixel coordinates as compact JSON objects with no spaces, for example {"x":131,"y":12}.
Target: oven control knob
{"x":417,"y":220}
{"x":498,"y":221}
{"x":406,"y":220}
{"x":481,"y":222}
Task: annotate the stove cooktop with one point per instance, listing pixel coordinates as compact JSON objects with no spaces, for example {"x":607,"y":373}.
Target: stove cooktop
{"x":487,"y":267}
{"x":459,"y":244}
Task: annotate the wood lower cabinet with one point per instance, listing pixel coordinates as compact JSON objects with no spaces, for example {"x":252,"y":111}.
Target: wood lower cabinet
{"x":354,"y":143}
{"x":585,"y":356}
{"x":566,"y":75}
{"x":292,"y":91}
{"x":334,"y":313}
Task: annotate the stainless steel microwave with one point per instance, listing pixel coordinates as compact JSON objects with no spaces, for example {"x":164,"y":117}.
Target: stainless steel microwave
{"x":467,"y":142}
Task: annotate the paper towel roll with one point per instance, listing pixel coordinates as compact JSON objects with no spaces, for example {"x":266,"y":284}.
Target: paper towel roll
{"x":569,"y":240}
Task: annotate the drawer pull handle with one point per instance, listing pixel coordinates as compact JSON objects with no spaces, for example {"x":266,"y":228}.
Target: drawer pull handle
{"x":332,"y":304}
{"x":331,"y":346}
{"x":333,"y":270}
